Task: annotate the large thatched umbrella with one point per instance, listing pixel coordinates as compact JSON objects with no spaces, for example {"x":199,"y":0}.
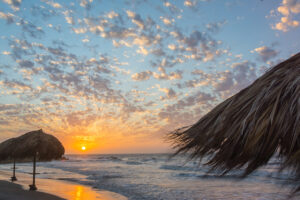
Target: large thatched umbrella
{"x":247,"y":129}
{"x":47,"y":146}
{"x":34,"y":144}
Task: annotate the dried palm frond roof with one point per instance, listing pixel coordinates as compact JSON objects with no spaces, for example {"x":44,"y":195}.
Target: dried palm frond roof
{"x":25,"y":146}
{"x":247,"y":129}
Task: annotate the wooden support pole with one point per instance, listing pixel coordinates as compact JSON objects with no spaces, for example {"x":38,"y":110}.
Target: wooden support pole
{"x":33,"y":186}
{"x":14,"y":178}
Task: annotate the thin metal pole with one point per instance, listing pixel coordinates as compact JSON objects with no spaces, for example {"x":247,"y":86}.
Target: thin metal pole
{"x":33,"y":187}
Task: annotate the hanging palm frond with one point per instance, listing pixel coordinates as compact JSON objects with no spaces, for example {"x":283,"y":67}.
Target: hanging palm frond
{"x":247,"y":129}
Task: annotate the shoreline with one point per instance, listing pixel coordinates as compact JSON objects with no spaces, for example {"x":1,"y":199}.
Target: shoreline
{"x":50,"y":189}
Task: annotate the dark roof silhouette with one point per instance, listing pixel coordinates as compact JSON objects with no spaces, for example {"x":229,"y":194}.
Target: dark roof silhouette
{"x":247,"y":129}
{"x":47,"y":146}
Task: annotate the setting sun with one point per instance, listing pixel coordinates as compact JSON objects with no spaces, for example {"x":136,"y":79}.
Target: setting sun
{"x":83,"y":148}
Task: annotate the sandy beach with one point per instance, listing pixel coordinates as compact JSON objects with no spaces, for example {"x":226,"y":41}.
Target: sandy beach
{"x":49,"y":189}
{"x":12,"y":191}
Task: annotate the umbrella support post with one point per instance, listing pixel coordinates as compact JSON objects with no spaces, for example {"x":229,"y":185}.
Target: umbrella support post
{"x":14,"y":178}
{"x":33,"y":186}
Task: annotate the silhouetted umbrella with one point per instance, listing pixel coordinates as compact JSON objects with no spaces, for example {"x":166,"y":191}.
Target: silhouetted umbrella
{"x":6,"y":149}
{"x":5,"y":152}
{"x":47,"y":146}
{"x":247,"y":129}
{"x":34,"y":144}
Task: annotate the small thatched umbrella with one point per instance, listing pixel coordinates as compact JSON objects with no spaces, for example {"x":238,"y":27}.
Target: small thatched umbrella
{"x":247,"y":129}
{"x":36,"y":145}
{"x":6,"y":151}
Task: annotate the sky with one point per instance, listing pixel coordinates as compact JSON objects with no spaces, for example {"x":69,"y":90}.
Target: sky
{"x":117,"y":76}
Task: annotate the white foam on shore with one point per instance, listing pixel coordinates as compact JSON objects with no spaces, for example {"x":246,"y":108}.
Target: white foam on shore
{"x":155,"y":176}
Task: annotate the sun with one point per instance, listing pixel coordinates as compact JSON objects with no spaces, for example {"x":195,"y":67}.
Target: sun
{"x":83,"y":148}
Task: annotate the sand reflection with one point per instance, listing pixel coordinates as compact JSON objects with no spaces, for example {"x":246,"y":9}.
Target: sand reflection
{"x":73,"y":191}
{"x":65,"y":189}
{"x":78,"y":192}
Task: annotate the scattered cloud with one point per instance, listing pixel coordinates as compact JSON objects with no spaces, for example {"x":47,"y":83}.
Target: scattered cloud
{"x":54,"y":4}
{"x":15,"y":4}
{"x":68,"y":17}
{"x":95,"y":70}
{"x":8,"y":17}
{"x":136,"y":19}
{"x":6,"y":52}
{"x":112,"y":15}
{"x":169,"y":93}
{"x":86,"y":3}
{"x":26,"y":63}
{"x":142,"y":76}
{"x":142,"y":50}
{"x":163,"y":75}
{"x":189,"y":3}
{"x":166,"y":21}
{"x":288,"y":9}
{"x":266,"y":53}
{"x":215,"y":27}
{"x":172,"y":46}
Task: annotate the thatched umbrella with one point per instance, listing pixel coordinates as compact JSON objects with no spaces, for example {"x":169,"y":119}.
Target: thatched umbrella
{"x":36,"y":145}
{"x":5,"y":151}
{"x":48,"y":146}
{"x":247,"y":129}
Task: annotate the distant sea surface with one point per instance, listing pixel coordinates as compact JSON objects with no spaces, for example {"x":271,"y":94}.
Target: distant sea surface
{"x":154,"y":177}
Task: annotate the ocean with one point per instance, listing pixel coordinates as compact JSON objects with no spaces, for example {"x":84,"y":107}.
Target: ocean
{"x":155,"y":177}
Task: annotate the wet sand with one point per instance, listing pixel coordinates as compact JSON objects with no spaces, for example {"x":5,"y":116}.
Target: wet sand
{"x":11,"y":191}
{"x":49,"y":189}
